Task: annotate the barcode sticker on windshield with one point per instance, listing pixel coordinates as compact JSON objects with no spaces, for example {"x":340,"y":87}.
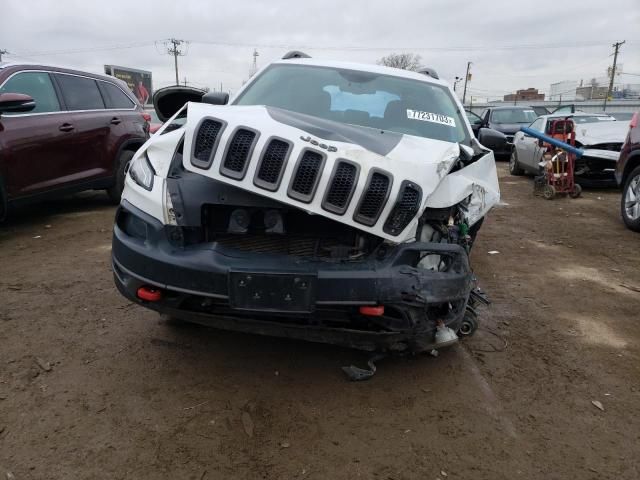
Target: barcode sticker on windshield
{"x":431,"y":117}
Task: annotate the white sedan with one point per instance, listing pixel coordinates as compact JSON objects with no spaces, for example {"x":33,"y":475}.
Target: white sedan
{"x":599,"y":135}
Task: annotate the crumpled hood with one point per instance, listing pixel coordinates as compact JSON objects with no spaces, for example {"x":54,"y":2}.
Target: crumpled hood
{"x":601,"y":132}
{"x":354,"y":175}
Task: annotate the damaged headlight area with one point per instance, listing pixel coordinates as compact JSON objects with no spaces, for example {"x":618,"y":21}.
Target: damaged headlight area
{"x":142,"y":172}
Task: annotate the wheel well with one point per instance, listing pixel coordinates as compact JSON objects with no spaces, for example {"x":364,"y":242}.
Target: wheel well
{"x":632,"y":163}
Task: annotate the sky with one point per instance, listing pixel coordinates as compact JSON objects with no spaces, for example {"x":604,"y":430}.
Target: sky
{"x":511,"y":44}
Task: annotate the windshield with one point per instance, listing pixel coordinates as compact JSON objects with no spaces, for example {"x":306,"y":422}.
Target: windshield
{"x":383,"y":102}
{"x":514,"y":115}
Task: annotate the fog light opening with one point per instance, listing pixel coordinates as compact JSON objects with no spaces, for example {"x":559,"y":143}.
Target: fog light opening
{"x":149,"y":294}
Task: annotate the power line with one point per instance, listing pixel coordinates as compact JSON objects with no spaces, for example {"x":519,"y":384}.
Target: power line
{"x":85,"y":50}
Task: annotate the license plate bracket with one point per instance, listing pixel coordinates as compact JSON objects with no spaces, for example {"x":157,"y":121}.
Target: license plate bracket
{"x":276,"y":292}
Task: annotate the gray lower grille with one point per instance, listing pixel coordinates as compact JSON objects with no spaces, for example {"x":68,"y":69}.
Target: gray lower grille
{"x":271,"y":167}
{"x":306,"y":176}
{"x":341,"y":186}
{"x":274,"y":243}
{"x":205,"y":142}
{"x":373,"y":199}
{"x":238,"y":153}
{"x":406,"y":207}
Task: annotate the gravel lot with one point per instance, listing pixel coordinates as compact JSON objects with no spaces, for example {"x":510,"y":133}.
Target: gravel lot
{"x":94,"y":387}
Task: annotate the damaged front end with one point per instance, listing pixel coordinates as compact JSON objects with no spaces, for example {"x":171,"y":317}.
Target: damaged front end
{"x":283,"y":224}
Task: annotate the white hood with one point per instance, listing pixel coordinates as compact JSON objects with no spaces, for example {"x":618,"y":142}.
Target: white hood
{"x":404,"y":159}
{"x":601,"y":132}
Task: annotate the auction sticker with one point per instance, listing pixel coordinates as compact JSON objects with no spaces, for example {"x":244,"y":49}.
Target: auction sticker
{"x":431,"y":117}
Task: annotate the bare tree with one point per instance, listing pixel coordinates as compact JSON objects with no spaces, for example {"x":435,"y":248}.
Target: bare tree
{"x":406,"y":61}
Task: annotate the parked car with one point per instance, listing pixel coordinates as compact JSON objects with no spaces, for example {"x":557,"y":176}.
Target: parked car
{"x":628,"y":175}
{"x":622,"y":116}
{"x":64,"y":131}
{"x":508,"y":120}
{"x":332,"y":202}
{"x":154,"y":121}
{"x":599,"y":135}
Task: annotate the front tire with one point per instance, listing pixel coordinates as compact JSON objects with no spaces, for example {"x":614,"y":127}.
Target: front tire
{"x":115,"y":192}
{"x":630,"y":201}
{"x":514,"y":166}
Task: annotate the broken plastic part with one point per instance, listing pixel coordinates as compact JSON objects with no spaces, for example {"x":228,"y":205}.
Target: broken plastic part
{"x":444,"y":336}
{"x":357,"y":374}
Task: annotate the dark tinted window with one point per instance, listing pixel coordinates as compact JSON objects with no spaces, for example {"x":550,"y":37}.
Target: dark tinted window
{"x":38,"y":86}
{"x":80,"y":93}
{"x":513,"y":115}
{"x":114,"y":97}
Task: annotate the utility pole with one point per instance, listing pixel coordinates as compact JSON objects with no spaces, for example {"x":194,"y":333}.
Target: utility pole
{"x":456,"y":81}
{"x":3,"y":52}
{"x":466,"y":79}
{"x":616,"y":46}
{"x":176,"y":52}
{"x":254,"y":66}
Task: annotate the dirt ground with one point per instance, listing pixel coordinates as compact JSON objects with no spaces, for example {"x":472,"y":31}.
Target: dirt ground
{"x":94,"y":387}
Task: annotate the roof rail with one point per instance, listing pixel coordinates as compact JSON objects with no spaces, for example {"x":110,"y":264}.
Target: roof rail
{"x":295,"y":54}
{"x":428,"y":71}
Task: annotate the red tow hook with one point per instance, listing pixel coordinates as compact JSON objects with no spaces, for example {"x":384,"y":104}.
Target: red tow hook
{"x":372,"y":311}
{"x":150,"y":294}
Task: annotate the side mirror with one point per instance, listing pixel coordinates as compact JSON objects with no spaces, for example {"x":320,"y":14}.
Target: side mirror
{"x":492,"y":139}
{"x":216,"y":98}
{"x":16,"y":103}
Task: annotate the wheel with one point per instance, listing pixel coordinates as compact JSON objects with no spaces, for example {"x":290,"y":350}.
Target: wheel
{"x":115,"y":192}
{"x":469,"y":323}
{"x":630,"y":201}
{"x":577,"y":190}
{"x":549,"y":192}
{"x":514,"y":167}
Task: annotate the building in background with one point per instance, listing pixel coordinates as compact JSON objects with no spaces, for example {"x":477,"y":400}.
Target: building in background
{"x":563,"y":91}
{"x":139,"y":81}
{"x":527,"y":94}
{"x":594,"y":91}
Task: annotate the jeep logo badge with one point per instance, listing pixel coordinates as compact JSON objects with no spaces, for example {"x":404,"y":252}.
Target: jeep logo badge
{"x":328,"y":148}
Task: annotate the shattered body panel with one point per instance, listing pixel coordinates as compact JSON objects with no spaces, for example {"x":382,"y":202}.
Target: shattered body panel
{"x":262,"y":219}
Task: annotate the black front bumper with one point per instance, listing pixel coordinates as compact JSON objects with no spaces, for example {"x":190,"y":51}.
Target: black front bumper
{"x":197,"y":285}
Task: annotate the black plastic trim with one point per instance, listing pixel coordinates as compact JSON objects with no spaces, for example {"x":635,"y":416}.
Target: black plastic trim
{"x":272,"y":187}
{"x":206,"y":164}
{"x":296,"y":195}
{"x":232,"y":173}
{"x":369,"y":221}
{"x":330,"y":207}
{"x":396,"y":205}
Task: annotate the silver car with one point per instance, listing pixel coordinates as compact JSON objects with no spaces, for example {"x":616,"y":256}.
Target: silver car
{"x":599,"y":135}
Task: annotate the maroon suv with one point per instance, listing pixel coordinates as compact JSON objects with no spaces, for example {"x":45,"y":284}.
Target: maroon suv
{"x":628,"y":175}
{"x":64,"y":131}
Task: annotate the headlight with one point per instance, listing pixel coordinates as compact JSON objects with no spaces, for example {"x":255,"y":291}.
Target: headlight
{"x":142,"y":172}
